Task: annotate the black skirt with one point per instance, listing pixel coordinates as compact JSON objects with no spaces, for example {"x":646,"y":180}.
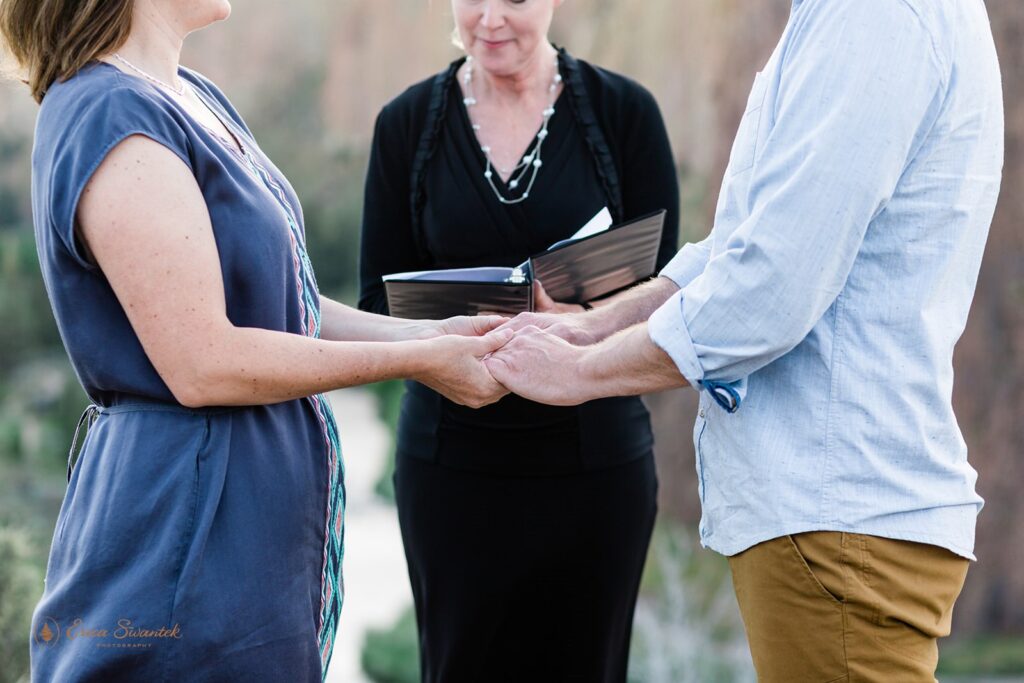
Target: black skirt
{"x":529,"y":578}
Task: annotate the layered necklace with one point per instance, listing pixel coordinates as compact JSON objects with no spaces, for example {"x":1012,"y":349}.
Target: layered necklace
{"x":524,"y":174}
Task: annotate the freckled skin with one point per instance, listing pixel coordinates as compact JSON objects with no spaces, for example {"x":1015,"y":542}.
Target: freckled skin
{"x":143,"y":213}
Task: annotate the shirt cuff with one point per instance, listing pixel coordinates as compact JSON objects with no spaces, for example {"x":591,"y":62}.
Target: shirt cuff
{"x":667,"y":329}
{"x":686,"y":265}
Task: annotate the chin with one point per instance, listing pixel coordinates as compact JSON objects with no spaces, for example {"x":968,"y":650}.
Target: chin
{"x":198,"y":14}
{"x":496,"y":63}
{"x":222,"y":10}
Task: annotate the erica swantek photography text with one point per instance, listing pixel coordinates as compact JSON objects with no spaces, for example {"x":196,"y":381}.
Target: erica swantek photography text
{"x":124,"y":634}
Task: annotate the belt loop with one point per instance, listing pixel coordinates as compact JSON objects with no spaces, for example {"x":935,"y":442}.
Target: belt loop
{"x":89,"y":416}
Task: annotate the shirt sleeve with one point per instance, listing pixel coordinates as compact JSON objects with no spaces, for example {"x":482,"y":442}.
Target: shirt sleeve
{"x":690,"y":262}
{"x":861,"y":84}
{"x":113,"y":116}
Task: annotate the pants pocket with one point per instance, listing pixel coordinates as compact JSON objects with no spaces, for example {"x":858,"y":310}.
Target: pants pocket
{"x":821,"y":556}
{"x":795,"y":626}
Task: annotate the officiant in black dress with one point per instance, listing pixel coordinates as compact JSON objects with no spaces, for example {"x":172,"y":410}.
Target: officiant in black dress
{"x":525,"y":526}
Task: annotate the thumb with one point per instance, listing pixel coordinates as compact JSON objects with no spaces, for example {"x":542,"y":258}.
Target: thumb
{"x":541,"y":301}
{"x":483,"y":324}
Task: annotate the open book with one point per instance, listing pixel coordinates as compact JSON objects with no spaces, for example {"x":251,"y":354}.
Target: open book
{"x":598,"y":260}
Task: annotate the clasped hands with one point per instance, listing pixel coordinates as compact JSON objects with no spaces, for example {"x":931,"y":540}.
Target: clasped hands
{"x":535,"y":355}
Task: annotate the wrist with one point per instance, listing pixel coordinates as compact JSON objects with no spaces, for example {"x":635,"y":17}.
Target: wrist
{"x":597,"y":324}
{"x":414,"y":359}
{"x":418,"y":330}
{"x":589,"y":373}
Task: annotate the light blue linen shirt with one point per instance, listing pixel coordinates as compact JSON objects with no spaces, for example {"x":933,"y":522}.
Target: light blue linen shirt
{"x":820,"y":314}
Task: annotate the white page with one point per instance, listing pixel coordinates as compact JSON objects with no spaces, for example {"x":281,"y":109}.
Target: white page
{"x":599,"y":223}
{"x":484,"y":274}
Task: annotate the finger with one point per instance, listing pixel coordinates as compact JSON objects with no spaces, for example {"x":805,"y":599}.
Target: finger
{"x":492,"y":341}
{"x":541,"y":301}
{"x":528,"y":330}
{"x":482,"y":324}
{"x":518,"y":322}
{"x":499,"y":370}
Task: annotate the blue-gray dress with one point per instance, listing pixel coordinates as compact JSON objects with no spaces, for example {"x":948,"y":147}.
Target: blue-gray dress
{"x":199,"y":545}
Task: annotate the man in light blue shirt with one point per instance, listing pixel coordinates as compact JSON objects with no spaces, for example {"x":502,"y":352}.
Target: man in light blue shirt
{"x":819,"y":318}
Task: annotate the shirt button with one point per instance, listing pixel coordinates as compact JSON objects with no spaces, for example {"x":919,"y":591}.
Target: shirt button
{"x":701,"y":413}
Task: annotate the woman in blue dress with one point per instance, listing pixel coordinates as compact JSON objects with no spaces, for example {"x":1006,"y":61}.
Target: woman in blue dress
{"x":201,"y":535}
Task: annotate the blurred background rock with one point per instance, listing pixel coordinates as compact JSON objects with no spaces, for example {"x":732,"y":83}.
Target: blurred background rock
{"x":309,"y":76}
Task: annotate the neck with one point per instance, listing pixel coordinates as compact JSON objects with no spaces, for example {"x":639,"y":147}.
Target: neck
{"x":154,"y":43}
{"x":535,"y":76}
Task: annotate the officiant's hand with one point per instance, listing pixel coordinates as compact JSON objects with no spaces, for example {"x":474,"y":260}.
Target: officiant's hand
{"x":542,"y":303}
{"x":453,"y":366}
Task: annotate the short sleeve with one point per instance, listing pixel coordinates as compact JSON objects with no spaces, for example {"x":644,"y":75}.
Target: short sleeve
{"x":92,"y":129}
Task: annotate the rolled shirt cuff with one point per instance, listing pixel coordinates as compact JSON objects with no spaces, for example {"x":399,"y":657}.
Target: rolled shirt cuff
{"x":667,"y":329}
{"x":686,"y":265}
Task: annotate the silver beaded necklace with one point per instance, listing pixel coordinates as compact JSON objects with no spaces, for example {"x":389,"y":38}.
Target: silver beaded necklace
{"x":179,"y":91}
{"x":531,"y":162}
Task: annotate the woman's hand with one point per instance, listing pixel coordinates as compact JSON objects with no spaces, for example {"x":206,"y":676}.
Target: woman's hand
{"x":453,"y":366}
{"x":542,"y":303}
{"x":461,"y":325}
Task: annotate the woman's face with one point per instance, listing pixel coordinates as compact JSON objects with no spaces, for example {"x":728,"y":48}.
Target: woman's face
{"x":187,"y":16}
{"x":503,"y":36}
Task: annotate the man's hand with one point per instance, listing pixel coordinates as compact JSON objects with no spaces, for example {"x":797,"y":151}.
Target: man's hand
{"x":573,"y":328}
{"x":453,"y":366}
{"x":623,"y":310}
{"x":541,"y":366}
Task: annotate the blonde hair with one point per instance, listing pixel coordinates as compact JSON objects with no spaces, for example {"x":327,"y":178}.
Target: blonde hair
{"x":457,"y":39}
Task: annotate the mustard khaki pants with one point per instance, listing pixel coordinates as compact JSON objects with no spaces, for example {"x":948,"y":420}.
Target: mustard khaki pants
{"x":832,"y":607}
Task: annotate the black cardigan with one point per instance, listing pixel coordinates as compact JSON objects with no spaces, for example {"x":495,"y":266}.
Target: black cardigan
{"x":422,"y":175}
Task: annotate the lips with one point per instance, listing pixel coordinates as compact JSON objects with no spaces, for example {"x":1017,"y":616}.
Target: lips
{"x":493,"y":44}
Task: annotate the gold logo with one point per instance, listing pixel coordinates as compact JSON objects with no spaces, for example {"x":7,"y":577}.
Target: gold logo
{"x":48,"y":634}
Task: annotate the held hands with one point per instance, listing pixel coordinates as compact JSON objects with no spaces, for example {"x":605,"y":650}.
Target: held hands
{"x":541,"y":366}
{"x":476,"y":361}
{"x":567,"y":321}
{"x":454,"y":360}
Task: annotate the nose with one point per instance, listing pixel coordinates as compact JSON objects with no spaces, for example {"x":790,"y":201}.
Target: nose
{"x":494,"y":14}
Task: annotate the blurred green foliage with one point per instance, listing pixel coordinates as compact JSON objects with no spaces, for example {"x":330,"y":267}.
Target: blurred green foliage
{"x":990,"y":655}
{"x":20,"y":577}
{"x":391,"y":655}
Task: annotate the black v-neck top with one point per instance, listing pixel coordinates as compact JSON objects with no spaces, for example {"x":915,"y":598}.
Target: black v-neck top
{"x":462,"y":224}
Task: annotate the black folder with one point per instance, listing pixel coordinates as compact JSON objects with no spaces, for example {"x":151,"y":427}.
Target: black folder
{"x":572,"y":271}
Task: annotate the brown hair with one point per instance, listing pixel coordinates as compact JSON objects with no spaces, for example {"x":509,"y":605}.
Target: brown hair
{"x":53,"y":39}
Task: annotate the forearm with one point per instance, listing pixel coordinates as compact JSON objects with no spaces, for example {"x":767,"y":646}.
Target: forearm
{"x":628,"y":308}
{"x":249,"y":366}
{"x":339,"y":322}
{"x":628,"y":364}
